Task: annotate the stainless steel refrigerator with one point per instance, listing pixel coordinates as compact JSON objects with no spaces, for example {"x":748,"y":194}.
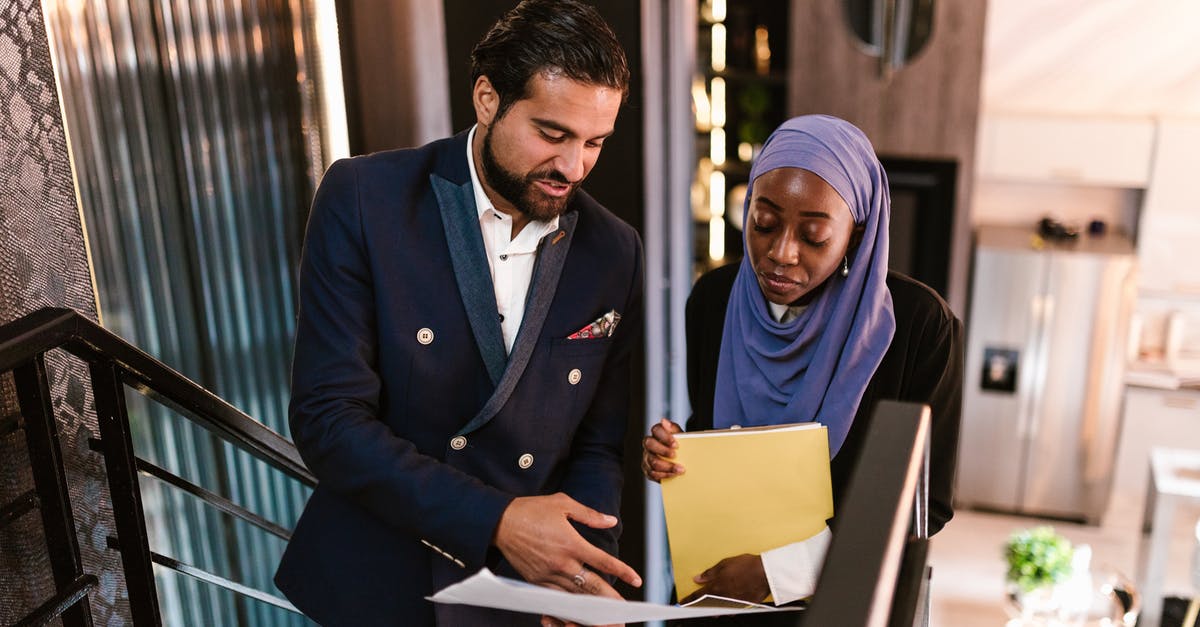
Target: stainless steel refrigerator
{"x":1044,"y":366}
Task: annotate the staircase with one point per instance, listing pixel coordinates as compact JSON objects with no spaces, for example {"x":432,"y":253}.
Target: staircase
{"x":116,"y":368}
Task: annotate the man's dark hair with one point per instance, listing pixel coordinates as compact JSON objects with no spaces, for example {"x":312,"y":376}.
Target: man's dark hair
{"x":557,"y":36}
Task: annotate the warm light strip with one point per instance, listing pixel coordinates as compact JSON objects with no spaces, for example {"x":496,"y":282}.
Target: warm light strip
{"x":716,"y":146}
{"x":718,"y":47}
{"x":716,"y":194}
{"x":336,"y":133}
{"x":762,"y":50}
{"x":716,"y":239}
{"x":718,"y":102}
{"x":716,"y":220}
{"x":700,"y":101}
{"x":718,"y":10}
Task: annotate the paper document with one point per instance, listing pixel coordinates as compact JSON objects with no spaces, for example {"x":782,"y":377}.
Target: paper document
{"x":484,"y":589}
{"x":744,"y":491}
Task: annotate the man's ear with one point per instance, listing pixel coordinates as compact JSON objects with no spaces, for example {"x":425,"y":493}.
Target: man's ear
{"x":486,"y":101}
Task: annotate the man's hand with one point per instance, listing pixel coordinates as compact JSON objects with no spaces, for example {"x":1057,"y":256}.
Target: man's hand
{"x":657,"y":450}
{"x":740,"y":577}
{"x":536,"y":537}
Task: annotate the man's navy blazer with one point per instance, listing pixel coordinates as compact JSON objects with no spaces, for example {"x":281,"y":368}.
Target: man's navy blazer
{"x":418,"y":425}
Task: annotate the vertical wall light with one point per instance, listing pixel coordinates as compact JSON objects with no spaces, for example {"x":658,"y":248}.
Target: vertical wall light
{"x":718,"y":47}
{"x":718,"y":101}
{"x":716,"y":143}
{"x":716,"y":146}
{"x":762,"y":50}
{"x":718,"y":10}
{"x":702,"y":106}
{"x":716,"y":210}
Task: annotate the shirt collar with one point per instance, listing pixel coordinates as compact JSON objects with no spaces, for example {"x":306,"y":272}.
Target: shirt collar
{"x":483,"y":204}
{"x":785,"y":313}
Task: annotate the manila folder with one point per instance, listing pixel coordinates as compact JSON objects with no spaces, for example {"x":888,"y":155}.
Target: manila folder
{"x":744,"y":491}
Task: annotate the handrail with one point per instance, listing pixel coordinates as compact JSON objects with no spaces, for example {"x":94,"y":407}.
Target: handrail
{"x":19,"y":506}
{"x":51,"y":327}
{"x":114,"y":365}
{"x":867,"y":577}
{"x":60,"y":602}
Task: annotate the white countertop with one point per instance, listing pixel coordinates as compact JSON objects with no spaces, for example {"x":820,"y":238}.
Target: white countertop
{"x":1179,"y":375}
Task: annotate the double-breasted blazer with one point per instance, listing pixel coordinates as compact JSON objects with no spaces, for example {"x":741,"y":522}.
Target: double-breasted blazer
{"x":417,"y":424}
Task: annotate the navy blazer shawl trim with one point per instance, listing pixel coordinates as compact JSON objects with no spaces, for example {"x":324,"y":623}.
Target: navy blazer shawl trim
{"x":460,"y":219}
{"x":551,"y":257}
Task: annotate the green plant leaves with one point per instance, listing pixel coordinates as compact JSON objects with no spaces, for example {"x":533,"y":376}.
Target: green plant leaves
{"x":1038,"y":557}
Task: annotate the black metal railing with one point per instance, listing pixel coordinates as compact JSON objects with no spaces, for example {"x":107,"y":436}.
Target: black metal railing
{"x":875,"y":571}
{"x":116,"y":366}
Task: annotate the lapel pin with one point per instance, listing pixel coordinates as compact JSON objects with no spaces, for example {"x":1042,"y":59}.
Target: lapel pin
{"x":561,"y":234}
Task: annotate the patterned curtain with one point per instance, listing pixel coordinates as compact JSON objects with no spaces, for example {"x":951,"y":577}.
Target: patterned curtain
{"x":196,"y":145}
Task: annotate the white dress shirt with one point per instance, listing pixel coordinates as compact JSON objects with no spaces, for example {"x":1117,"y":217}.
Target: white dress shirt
{"x":785,"y":313}
{"x":509,"y":259}
{"x":792,"y":570}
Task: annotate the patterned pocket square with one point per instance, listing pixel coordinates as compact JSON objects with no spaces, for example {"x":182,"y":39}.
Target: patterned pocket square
{"x":604,"y":326}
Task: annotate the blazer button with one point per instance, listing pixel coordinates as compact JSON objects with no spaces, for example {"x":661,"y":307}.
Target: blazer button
{"x":574,"y":376}
{"x":525,"y":461}
{"x":458,"y":443}
{"x":425,"y":336}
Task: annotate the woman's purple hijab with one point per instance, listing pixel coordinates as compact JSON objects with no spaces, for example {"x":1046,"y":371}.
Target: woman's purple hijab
{"x":817,"y":366}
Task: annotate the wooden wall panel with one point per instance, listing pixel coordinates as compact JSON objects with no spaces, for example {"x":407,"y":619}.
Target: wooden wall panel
{"x":926,"y":109}
{"x":394,"y":73}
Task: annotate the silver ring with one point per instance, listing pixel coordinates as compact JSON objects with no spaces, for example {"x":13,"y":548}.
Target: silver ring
{"x":580,"y":579}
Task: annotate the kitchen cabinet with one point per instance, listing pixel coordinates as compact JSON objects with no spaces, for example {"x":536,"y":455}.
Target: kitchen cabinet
{"x":1113,"y":152}
{"x":1169,"y":226}
{"x":1151,"y":418}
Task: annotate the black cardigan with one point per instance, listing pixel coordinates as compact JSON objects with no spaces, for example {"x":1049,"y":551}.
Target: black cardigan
{"x":923,"y":364}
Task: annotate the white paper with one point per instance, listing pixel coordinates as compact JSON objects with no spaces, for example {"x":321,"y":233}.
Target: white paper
{"x":484,"y":589}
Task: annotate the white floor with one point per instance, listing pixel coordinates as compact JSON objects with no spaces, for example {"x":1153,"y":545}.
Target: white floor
{"x":968,"y":567}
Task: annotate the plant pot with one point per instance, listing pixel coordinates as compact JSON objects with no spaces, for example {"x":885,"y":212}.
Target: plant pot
{"x":1039,"y":606}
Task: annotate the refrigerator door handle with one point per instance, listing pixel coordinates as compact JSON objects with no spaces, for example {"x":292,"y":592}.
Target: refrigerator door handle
{"x":1041,"y":362}
{"x":1031,"y":376}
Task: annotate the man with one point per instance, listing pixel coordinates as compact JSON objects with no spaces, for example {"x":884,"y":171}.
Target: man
{"x":460,"y":383}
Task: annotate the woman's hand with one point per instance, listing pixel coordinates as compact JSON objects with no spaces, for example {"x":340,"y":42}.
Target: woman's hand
{"x":740,"y":577}
{"x":657,"y":450}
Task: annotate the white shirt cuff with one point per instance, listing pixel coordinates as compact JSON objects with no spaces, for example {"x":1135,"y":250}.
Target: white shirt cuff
{"x":792,"y":570}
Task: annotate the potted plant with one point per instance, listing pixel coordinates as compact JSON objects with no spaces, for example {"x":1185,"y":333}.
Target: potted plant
{"x":1038,"y":559}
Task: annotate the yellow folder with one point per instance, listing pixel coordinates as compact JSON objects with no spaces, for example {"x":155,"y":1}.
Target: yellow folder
{"x":744,"y":491}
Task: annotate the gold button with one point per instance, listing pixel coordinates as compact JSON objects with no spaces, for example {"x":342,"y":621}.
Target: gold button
{"x":425,"y":336}
{"x":574,"y":376}
{"x":458,"y":443}
{"x":525,"y":461}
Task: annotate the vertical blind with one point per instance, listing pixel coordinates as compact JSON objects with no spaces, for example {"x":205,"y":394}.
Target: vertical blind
{"x":196,"y":145}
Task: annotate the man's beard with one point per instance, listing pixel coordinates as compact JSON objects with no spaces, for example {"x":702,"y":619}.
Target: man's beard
{"x":522,"y":192}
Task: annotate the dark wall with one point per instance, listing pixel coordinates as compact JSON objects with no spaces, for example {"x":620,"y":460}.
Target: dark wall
{"x":616,"y":181}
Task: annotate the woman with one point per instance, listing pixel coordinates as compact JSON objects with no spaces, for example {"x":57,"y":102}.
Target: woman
{"x":811,"y":325}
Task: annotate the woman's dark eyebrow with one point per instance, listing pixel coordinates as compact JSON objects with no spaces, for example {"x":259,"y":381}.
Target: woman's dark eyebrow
{"x":777,"y":207}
